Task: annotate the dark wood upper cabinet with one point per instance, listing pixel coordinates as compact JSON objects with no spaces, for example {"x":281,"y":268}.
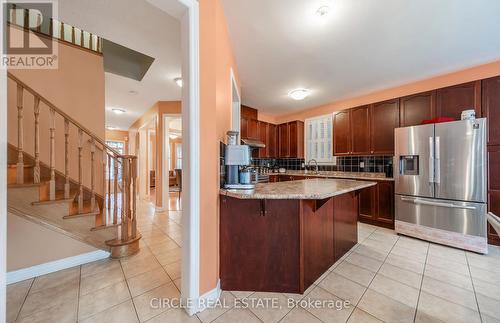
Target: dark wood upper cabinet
{"x":384,"y":117}
{"x":249,"y":113}
{"x":360,"y":130}
{"x":341,"y":133}
{"x":243,"y":128}
{"x":491,"y":108}
{"x":273,"y":140}
{"x":253,"y":129}
{"x":264,"y":137}
{"x":296,"y":131}
{"x":284,"y":140}
{"x":416,"y":108}
{"x":451,"y":101}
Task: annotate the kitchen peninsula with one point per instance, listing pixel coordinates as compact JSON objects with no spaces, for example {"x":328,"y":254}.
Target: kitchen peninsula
{"x":281,"y":237}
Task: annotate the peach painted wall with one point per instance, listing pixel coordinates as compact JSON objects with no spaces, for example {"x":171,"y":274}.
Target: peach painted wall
{"x":463,"y":76}
{"x":216,"y":61}
{"x":77,"y":88}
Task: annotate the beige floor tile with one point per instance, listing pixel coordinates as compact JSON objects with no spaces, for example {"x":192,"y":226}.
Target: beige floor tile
{"x":64,"y":312}
{"x":143,"y":302}
{"x":99,"y":266}
{"x":177,"y":283}
{"x":343,"y":287}
{"x":383,"y":246}
{"x":269,"y":307}
{"x":368,"y":251}
{"x":147,"y":281}
{"x":395,"y":290}
{"x":385,"y":308}
{"x":488,"y":306}
{"x":136,"y":267}
{"x":448,"y":253}
{"x":401,"y":275}
{"x":163,"y":247}
{"x":121,"y":313}
{"x":357,"y":274}
{"x":489,"y":319}
{"x":336,"y":311}
{"x":237,"y":315}
{"x":409,"y":254}
{"x":404,"y":263}
{"x":364,"y":261}
{"x":492,"y":277}
{"x":297,"y":297}
{"x":413,"y":244}
{"x":241,"y":294}
{"x":299,"y":315}
{"x":227,"y":300}
{"x":386,"y":237}
{"x":449,"y":292}
{"x":102,"y":299}
{"x":433,"y":307}
{"x":448,"y":277}
{"x":175,"y":315}
{"x":169,"y":257}
{"x":443,"y":263}
{"x":101,"y":279}
{"x":486,"y":289}
{"x":173,"y":270}
{"x":70,"y":275}
{"x":50,"y":297}
{"x":16,"y":294}
{"x":360,"y":316}
{"x":490,"y":262}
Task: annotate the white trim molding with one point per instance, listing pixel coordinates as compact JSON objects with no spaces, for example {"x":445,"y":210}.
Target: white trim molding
{"x":207,"y":300}
{"x":3,"y":176}
{"x":53,"y":266}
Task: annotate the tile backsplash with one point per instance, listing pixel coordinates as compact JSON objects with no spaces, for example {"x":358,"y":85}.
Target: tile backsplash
{"x":369,"y":164}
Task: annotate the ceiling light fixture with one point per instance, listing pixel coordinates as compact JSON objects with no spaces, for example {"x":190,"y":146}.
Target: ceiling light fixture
{"x":323,"y":11}
{"x":299,"y":94}
{"x":173,"y":136}
{"x":110,"y":127}
{"x":178,"y":81}
{"x":118,"y":111}
{"x":133,"y":92}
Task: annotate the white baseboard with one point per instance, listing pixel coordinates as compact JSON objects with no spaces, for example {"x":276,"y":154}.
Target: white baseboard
{"x":209,"y":297}
{"x":53,"y":266}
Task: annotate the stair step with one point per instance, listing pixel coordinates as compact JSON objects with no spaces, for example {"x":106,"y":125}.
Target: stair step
{"x":59,"y":198}
{"x":15,"y":166}
{"x":23,"y":185}
{"x":102,"y":227}
{"x":81,"y":215}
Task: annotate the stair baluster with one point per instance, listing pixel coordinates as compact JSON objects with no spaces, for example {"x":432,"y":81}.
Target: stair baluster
{"x":52,"y":183}
{"x":92,"y":175}
{"x":125,"y":197}
{"x":20,"y":136}
{"x":133,"y":173}
{"x":80,"y":171}
{"x":108,"y":158}
{"x":38,"y":22}
{"x":36,"y":170}
{"x":115,"y":191}
{"x":66,"y":159}
{"x":26,"y":21}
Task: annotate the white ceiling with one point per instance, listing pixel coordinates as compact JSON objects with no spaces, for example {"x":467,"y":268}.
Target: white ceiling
{"x":360,"y":47}
{"x":140,"y":26}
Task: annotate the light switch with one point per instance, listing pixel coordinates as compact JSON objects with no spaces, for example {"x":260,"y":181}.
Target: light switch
{"x":362,"y":165}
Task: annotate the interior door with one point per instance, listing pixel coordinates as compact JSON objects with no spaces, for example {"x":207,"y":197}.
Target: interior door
{"x":414,"y":149}
{"x":461,"y":160}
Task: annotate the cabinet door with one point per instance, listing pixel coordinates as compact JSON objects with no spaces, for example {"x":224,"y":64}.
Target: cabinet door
{"x":273,"y":141}
{"x":296,"y":142}
{"x":493,"y":189}
{"x":253,"y":129}
{"x":491,"y":108}
{"x":341,"y":133}
{"x":367,"y":203}
{"x":385,"y":202}
{"x":264,"y":137}
{"x":451,"y":101}
{"x":494,"y":207}
{"x":416,"y":108}
{"x":345,"y":223}
{"x":284,"y":140}
{"x":384,"y":117}
{"x":360,"y":130}
{"x":243,"y":128}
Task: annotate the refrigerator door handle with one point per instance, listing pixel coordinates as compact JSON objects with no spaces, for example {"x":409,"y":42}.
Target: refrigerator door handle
{"x":431,"y":160}
{"x":439,"y":204}
{"x":437,"y":165}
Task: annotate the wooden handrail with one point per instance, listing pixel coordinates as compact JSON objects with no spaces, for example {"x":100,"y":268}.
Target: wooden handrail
{"x":63,"y":114}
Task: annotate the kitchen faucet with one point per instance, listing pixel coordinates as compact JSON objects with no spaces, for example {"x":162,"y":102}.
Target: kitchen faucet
{"x":316,"y":170}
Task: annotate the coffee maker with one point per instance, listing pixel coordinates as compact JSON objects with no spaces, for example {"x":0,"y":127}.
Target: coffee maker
{"x":236,"y":157}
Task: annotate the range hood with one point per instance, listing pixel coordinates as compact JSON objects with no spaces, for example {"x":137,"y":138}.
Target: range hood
{"x":253,"y":143}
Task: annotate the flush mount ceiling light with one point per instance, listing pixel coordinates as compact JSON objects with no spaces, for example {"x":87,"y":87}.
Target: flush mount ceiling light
{"x":110,"y":127}
{"x":173,"y":136}
{"x":118,"y":111}
{"x":178,"y":81}
{"x":323,"y":11}
{"x":299,"y":94}
{"x":133,"y":92}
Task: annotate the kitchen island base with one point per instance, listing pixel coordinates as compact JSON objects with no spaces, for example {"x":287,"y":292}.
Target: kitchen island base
{"x":283,"y":245}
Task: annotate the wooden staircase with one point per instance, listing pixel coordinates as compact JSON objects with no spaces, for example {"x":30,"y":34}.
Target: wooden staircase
{"x":102,"y":214}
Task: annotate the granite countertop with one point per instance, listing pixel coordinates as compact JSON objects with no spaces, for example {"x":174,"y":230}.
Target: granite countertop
{"x":333,"y":174}
{"x":309,"y":189}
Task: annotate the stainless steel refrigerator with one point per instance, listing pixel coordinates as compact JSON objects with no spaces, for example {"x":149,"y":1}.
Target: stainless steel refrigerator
{"x":440,"y":175}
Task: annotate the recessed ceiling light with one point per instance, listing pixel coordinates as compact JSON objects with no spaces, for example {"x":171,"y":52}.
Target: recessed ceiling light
{"x":178,"y":81}
{"x":323,"y":11}
{"x":299,"y":94}
{"x":118,"y":111}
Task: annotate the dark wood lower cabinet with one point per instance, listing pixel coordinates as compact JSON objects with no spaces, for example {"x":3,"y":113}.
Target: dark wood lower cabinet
{"x":283,"y":245}
{"x":376,"y":204}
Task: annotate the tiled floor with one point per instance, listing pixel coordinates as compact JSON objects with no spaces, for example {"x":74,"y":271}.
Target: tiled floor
{"x":386,"y":278}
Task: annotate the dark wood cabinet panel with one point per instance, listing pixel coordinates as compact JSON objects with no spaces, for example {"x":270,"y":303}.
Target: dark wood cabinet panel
{"x":284,"y":140}
{"x":253,"y":129}
{"x":264,"y":137}
{"x":341,"y":133}
{"x":494,"y":168}
{"x":491,"y":108}
{"x":296,"y":132}
{"x":493,"y":206}
{"x":360,"y":130}
{"x":384,"y":117}
{"x":273,"y":140}
{"x":451,"y":101}
{"x":243,"y":128}
{"x":367,"y":203}
{"x":345,"y":223}
{"x":385,"y":202}
{"x":416,"y":108}
{"x":249,"y":113}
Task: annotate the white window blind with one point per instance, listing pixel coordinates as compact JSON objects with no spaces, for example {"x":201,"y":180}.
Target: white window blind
{"x":319,"y":139}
